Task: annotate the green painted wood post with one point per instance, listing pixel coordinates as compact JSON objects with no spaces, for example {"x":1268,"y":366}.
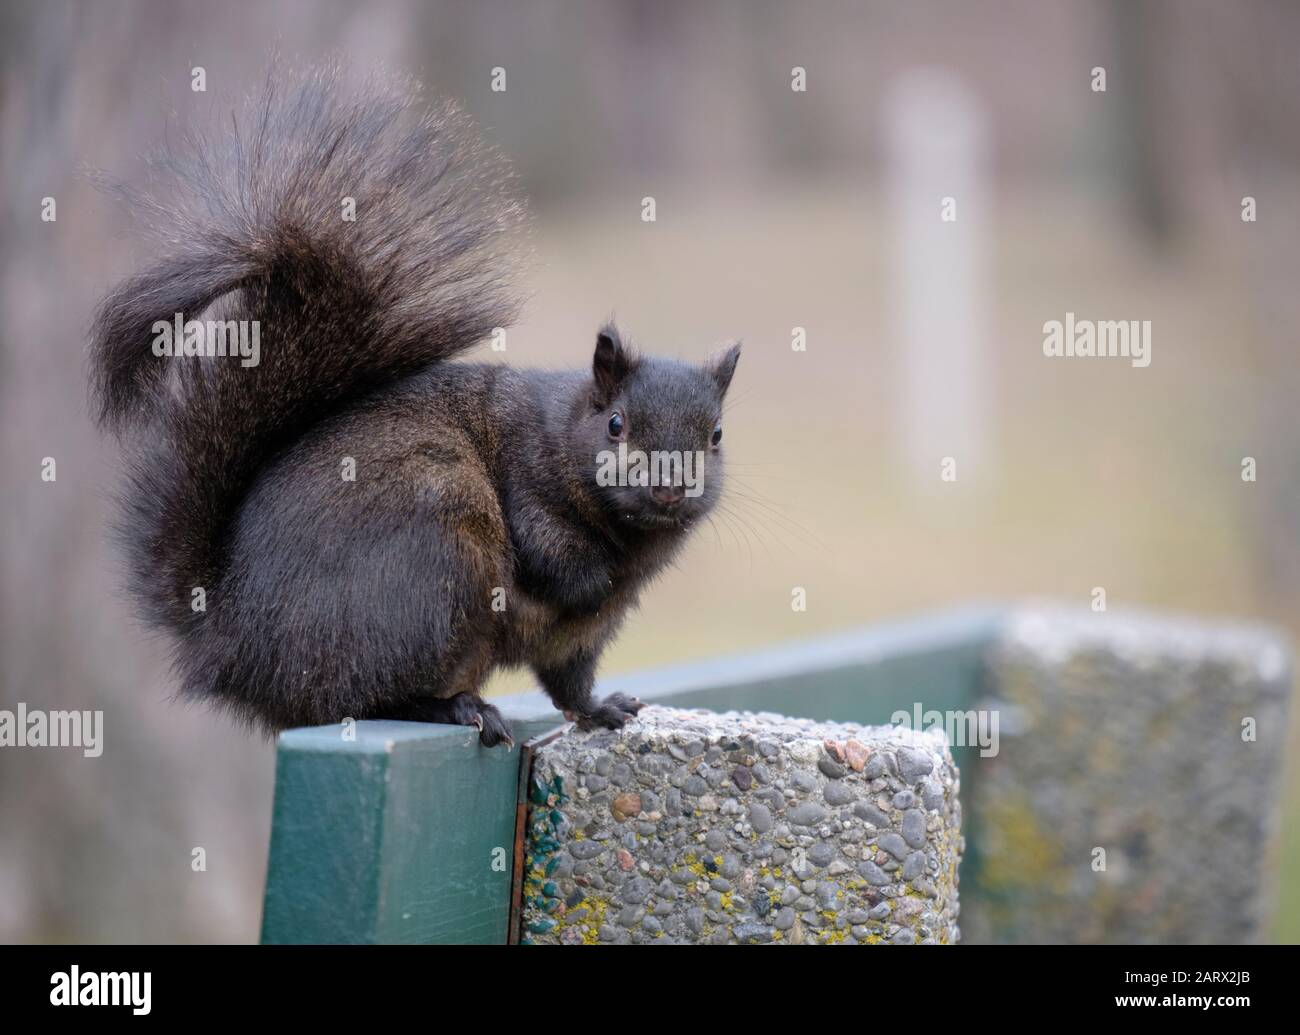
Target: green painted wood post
{"x":404,"y":834}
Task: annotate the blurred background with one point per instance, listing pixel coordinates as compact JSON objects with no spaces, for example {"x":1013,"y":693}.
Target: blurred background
{"x":784,"y":217}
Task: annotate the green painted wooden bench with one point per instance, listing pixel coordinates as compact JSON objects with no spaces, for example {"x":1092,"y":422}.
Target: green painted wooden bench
{"x":406,"y":832}
{"x":403,"y":832}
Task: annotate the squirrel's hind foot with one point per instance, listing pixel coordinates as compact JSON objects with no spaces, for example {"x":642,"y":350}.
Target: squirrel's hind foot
{"x":464,"y":709}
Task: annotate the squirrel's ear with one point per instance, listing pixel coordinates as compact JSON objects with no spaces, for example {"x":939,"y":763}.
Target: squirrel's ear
{"x":722,"y":364}
{"x":611,"y":363}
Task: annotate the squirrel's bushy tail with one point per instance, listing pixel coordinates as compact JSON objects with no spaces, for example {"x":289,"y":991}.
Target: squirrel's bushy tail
{"x":251,"y":219}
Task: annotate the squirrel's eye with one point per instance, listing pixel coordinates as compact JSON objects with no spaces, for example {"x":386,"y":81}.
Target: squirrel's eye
{"x":717,"y":433}
{"x":616,"y":425}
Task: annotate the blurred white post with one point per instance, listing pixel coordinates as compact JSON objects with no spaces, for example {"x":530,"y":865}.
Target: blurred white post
{"x":935,"y":149}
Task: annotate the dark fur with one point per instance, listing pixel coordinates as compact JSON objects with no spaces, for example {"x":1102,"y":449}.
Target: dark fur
{"x":372,"y":599}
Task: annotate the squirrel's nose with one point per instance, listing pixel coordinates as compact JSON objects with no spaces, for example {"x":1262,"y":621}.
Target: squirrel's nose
{"x":667,"y":495}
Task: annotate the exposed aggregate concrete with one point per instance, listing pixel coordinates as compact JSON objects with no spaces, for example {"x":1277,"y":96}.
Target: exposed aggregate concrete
{"x":1135,"y":794}
{"x":694,"y":826}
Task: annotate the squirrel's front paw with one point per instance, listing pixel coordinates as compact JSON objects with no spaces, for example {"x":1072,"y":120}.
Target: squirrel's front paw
{"x":610,"y":713}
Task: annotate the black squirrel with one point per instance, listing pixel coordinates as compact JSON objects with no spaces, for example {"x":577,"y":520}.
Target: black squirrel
{"x":295,"y":595}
